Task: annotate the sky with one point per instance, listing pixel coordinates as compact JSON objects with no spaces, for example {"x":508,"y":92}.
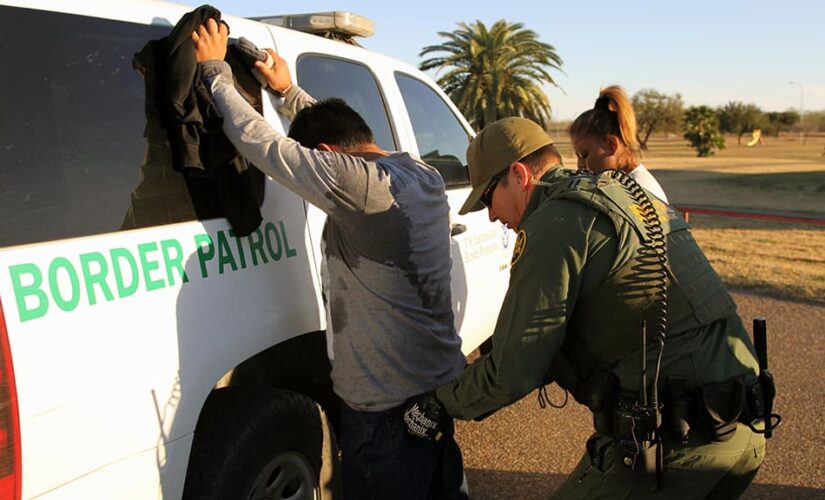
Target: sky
{"x":710,"y":52}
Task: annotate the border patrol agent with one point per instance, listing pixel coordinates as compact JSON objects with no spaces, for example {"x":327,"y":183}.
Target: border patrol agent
{"x":579,"y":289}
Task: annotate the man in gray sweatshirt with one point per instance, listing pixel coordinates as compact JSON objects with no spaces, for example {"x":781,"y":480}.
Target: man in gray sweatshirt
{"x":387,"y":248}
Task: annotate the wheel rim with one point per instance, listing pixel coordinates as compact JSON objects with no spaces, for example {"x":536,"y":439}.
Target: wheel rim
{"x":288,"y":476}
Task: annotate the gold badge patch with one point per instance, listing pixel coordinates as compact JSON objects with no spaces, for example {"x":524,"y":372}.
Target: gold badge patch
{"x":518,"y":248}
{"x":665,"y":211}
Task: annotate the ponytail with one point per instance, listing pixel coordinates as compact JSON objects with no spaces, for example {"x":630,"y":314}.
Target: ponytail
{"x":612,"y":114}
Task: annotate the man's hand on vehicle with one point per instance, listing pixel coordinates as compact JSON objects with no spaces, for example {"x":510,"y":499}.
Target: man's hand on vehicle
{"x":426,"y":417}
{"x":210,"y":41}
{"x":277,"y":76}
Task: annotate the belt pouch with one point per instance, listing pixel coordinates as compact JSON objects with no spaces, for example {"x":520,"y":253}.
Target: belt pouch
{"x":720,"y":408}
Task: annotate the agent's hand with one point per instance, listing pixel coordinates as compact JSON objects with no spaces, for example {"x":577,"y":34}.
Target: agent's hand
{"x":277,"y":77}
{"x":426,"y":417}
{"x":210,"y":41}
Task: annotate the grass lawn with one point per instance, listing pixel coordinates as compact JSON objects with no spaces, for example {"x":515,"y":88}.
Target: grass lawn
{"x":779,"y":259}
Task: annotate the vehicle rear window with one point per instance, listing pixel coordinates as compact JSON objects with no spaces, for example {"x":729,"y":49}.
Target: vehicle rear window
{"x":76,"y":155}
{"x":324,"y":77}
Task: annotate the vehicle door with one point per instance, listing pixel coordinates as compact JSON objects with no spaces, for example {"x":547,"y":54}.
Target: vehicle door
{"x":408,"y":113}
{"x":324,"y":69}
{"x":125,"y":295}
{"x":481,"y":249}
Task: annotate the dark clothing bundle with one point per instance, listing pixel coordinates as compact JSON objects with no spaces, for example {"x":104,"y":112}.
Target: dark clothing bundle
{"x":221,"y":182}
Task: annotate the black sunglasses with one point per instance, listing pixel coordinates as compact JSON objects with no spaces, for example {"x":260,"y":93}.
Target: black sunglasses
{"x":487,"y":196}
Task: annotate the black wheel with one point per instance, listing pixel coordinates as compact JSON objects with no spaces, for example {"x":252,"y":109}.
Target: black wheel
{"x":256,"y":444}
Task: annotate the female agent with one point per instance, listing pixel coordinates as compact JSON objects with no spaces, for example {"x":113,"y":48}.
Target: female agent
{"x":605,"y":138}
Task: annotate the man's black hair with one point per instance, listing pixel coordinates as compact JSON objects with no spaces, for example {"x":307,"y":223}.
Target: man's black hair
{"x":332,"y":122}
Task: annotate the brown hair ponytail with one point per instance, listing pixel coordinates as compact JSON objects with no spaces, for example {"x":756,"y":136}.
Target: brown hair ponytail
{"x":612,"y":114}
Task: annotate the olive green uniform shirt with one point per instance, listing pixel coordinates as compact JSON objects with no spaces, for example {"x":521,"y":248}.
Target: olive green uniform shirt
{"x":570,"y":292}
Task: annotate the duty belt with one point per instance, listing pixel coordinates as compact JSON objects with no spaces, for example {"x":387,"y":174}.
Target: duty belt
{"x":714,"y":409}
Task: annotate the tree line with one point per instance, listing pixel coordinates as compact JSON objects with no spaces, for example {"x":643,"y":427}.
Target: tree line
{"x":704,"y":126}
{"x":494,"y":72}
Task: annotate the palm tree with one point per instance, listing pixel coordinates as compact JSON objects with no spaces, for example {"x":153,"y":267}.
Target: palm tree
{"x":495,"y":73}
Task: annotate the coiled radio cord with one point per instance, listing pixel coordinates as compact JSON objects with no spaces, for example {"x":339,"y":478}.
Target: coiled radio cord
{"x":652,"y":267}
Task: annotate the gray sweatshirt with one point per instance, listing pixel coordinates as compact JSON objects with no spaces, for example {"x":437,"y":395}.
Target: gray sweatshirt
{"x":387,"y":246}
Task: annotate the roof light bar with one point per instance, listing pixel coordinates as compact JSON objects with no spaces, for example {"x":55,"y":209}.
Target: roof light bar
{"x":344,"y":23}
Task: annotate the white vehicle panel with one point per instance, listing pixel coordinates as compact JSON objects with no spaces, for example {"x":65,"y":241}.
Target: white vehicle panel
{"x":133,"y":372}
{"x":156,"y":473}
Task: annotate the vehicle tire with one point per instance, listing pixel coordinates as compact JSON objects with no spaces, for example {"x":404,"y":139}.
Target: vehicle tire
{"x":260,"y":444}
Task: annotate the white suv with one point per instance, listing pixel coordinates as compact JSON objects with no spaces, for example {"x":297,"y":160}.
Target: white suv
{"x":134,"y":329}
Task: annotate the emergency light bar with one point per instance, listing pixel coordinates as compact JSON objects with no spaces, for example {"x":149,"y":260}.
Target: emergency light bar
{"x":319,"y":23}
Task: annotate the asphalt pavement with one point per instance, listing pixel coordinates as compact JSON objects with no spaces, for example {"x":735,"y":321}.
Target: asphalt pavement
{"x":524,"y":452}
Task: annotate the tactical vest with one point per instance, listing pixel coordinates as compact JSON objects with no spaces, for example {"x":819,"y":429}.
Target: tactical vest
{"x":604,"y":328}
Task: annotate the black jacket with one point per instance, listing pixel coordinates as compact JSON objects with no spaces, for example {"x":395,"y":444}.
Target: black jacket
{"x":221,"y":182}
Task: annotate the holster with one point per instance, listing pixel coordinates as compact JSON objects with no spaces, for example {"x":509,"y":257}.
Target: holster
{"x":715,"y":409}
{"x":721,"y":407}
{"x":602,"y":392}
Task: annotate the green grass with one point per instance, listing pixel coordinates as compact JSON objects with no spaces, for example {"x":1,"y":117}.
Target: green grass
{"x":777,"y":259}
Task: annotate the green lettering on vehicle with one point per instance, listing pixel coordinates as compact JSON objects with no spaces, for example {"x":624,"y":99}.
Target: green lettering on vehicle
{"x":206,"y":252}
{"x":22,"y":291}
{"x":290,"y":252}
{"x":270,"y":228}
{"x":119,"y":255}
{"x":239,"y":246}
{"x":99,"y":278}
{"x":149,"y":265}
{"x":257,"y":246}
{"x":57,"y":295}
{"x":225,"y":254}
{"x":173,"y":262}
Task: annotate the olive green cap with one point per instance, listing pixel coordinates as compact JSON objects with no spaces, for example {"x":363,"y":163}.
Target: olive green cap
{"x":497,"y":146}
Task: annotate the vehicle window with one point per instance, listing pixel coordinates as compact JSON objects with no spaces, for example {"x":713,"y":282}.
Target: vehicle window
{"x":442,"y":140}
{"x":82,"y":151}
{"x":324,"y":77}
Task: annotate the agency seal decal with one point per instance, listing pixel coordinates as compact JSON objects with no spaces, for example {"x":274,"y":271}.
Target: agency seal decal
{"x":518,"y":248}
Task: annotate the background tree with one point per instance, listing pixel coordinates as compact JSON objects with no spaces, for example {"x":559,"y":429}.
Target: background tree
{"x":780,"y":121}
{"x":702,"y":130}
{"x":814,"y":121}
{"x":739,"y":119}
{"x":494,"y":73}
{"x":656,"y":112}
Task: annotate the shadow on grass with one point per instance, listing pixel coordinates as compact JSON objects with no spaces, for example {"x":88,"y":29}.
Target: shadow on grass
{"x":806,"y":182}
{"x":500,"y":485}
{"x":769,"y":292}
{"x":800,"y":192}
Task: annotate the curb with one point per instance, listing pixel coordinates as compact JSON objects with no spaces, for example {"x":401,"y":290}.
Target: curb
{"x":771,"y":216}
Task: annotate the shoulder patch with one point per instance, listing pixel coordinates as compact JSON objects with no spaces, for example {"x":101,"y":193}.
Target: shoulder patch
{"x":518,"y":248}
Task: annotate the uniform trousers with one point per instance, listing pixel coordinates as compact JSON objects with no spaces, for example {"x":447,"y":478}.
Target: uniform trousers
{"x":696,"y":470}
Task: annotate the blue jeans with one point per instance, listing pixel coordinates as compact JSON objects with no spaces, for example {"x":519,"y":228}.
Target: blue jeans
{"x":382,"y":461}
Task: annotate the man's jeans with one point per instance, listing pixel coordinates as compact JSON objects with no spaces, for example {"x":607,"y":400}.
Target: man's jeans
{"x":382,"y":461}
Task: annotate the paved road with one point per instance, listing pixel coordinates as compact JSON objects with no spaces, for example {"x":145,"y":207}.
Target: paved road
{"x":523,"y":452}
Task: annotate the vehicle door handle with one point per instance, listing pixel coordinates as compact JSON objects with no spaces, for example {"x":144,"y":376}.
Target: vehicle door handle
{"x":457,"y":229}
